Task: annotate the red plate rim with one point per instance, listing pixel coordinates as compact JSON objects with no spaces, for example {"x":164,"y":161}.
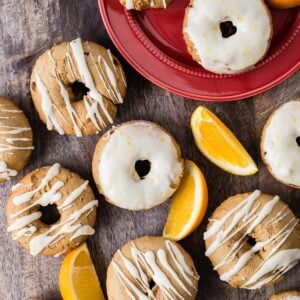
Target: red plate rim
{"x":233,"y":97}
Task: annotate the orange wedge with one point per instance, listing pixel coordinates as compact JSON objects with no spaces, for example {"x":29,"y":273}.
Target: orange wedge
{"x":77,"y":278}
{"x":219,"y":144}
{"x":188,"y":205}
{"x":283,"y":4}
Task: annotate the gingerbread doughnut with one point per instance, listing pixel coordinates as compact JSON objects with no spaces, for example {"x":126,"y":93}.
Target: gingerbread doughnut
{"x":227,"y":37}
{"x":289,"y":295}
{"x":280,"y":144}
{"x":15,"y":139}
{"x":137,"y":165}
{"x":144,"y":4}
{"x":151,"y":268}
{"x":252,"y":240}
{"x":51,"y":211}
{"x":76,"y":86}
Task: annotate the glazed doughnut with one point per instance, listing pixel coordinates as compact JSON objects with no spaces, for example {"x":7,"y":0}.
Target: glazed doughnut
{"x":252,"y":240}
{"x":280,"y":144}
{"x":151,"y":259}
{"x":289,"y":295}
{"x":229,"y":36}
{"x":144,"y":4}
{"x":51,"y":211}
{"x":137,"y":165}
{"x":15,"y":139}
{"x":75,"y":87}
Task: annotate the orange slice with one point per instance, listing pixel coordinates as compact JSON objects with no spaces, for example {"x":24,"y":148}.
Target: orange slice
{"x":219,"y":144}
{"x":283,"y":4}
{"x":77,"y":278}
{"x":188,"y":205}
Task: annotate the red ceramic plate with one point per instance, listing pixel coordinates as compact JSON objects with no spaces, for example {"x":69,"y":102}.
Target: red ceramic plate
{"x":152,"y":42}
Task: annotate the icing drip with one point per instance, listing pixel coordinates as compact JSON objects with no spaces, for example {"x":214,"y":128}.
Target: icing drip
{"x":23,"y":225}
{"x":5,"y":172}
{"x":93,"y":94}
{"x":107,"y":76}
{"x":41,"y":241}
{"x":148,"y":262}
{"x":9,"y":143}
{"x":52,"y":173}
{"x":129,"y":4}
{"x":277,"y":264}
{"x":47,"y":106}
{"x":65,"y":95}
{"x":244,"y":215}
{"x":118,"y":70}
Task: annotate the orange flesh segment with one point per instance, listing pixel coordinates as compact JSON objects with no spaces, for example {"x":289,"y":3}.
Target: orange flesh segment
{"x":214,"y":138}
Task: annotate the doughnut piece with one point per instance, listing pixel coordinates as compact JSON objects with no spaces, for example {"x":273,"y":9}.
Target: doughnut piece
{"x":289,"y":295}
{"x":151,"y":268}
{"x":280,"y":144}
{"x":51,"y":211}
{"x":15,"y":139}
{"x":144,"y":4}
{"x":252,"y":240}
{"x":76,"y":86}
{"x":227,"y":37}
{"x":137,"y":165}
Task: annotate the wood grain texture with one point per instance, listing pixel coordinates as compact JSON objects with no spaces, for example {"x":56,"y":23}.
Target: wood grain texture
{"x":29,"y":27}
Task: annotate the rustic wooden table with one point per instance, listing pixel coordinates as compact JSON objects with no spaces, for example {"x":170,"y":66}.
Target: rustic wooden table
{"x":29,"y":27}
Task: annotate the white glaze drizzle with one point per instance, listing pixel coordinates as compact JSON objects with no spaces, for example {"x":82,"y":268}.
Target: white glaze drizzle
{"x":276,"y":265}
{"x":38,"y":243}
{"x":6,"y":133}
{"x":250,"y":218}
{"x":5,"y":172}
{"x":47,"y":106}
{"x":118,"y":70}
{"x":148,"y":261}
{"x":57,"y":231}
{"x":129,"y":4}
{"x":51,"y":173}
{"x":74,"y":195}
{"x":108,"y":76}
{"x":78,"y":54}
{"x":65,"y":95}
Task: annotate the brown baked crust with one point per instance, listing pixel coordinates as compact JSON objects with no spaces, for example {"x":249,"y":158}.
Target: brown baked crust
{"x":104,"y":139}
{"x":261,"y":232}
{"x":286,"y":295}
{"x":15,"y":159}
{"x":71,"y":181}
{"x":115,"y":289}
{"x":193,"y":51}
{"x":45,"y":67}
{"x":262,"y":153}
{"x":146,"y":4}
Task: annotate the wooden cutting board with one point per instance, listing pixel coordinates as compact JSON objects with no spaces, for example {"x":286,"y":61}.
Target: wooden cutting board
{"x":29,"y":27}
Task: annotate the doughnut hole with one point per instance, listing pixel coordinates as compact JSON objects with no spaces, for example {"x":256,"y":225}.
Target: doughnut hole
{"x":251,"y":241}
{"x":298,"y":140}
{"x":142,"y":168}
{"x":50,"y":214}
{"x":227,"y":29}
{"x":79,"y":90}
